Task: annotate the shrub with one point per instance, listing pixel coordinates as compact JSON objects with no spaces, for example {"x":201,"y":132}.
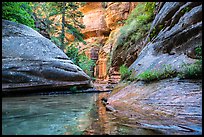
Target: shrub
{"x":198,"y":52}
{"x":73,"y":53}
{"x":191,"y":71}
{"x":124,"y":72}
{"x":185,"y":10}
{"x":81,"y":60}
{"x":19,"y":12}
{"x":137,"y":24}
{"x":150,"y":75}
{"x":86,"y":64}
{"x":73,"y":88}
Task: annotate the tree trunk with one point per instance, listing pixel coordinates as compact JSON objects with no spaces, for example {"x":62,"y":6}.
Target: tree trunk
{"x":63,"y":28}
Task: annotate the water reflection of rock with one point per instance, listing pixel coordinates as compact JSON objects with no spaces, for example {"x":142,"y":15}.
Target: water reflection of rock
{"x":102,"y":124}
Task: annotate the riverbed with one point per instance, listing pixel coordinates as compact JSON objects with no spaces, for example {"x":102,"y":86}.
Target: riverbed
{"x":64,"y":114}
{"x":67,"y":114}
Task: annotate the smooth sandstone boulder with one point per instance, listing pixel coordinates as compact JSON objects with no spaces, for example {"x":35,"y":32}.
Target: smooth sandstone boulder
{"x":32,"y":62}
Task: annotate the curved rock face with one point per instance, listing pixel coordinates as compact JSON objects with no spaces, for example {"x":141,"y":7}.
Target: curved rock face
{"x":172,"y":105}
{"x":179,"y":33}
{"x":31,"y":61}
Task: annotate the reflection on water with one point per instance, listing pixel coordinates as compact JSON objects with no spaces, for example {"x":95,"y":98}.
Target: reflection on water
{"x":71,"y":114}
{"x":51,"y":115}
{"x":105,"y":123}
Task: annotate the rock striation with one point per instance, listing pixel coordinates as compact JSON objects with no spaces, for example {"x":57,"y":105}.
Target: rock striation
{"x":173,"y":105}
{"x":32,"y":62}
{"x":175,"y":41}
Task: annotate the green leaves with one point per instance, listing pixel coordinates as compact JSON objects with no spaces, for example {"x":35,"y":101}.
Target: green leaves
{"x":86,"y":64}
{"x":124,"y":72}
{"x":137,"y":24}
{"x":151,"y":75}
{"x":81,"y":60}
{"x":72,"y":52}
{"x":191,"y":71}
{"x":19,"y":12}
{"x":61,"y":18}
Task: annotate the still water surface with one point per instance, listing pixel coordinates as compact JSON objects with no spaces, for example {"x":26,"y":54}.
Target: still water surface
{"x":70,"y":114}
{"x":50,"y":115}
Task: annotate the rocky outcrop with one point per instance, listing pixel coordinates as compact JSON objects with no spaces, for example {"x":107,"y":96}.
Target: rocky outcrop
{"x":96,"y":31}
{"x":169,"y":106}
{"x":172,"y":44}
{"x":94,"y":20}
{"x":125,"y":53}
{"x":172,"y":105}
{"x":32,"y":62}
{"x":101,"y":23}
{"x":117,"y":12}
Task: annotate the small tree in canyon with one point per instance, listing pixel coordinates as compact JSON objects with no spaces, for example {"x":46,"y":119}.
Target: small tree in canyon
{"x":19,"y":12}
{"x":61,"y":18}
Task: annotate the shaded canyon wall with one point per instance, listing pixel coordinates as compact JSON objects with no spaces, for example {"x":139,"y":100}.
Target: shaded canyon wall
{"x":102,"y":23}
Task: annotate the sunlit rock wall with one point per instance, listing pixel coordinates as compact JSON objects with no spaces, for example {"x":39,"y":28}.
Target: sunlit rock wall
{"x":96,"y":31}
{"x":101,"y":22}
{"x":117,"y":12}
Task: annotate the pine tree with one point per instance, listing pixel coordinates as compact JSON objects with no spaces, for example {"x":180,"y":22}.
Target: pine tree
{"x":62,"y":17}
{"x":19,"y":12}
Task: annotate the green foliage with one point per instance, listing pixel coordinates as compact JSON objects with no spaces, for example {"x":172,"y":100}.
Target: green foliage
{"x":191,"y":71}
{"x":19,"y":12}
{"x":73,"y":53}
{"x":73,"y":88}
{"x":75,"y":32}
{"x":186,"y":9}
{"x":55,"y":40}
{"x":198,"y":52}
{"x":86,"y":64}
{"x":143,"y":12}
{"x":150,"y":7}
{"x":124,"y":72}
{"x":137,"y":24}
{"x":120,"y":21}
{"x":155,"y":31}
{"x":61,"y":18}
{"x":151,"y":75}
{"x":81,"y":60}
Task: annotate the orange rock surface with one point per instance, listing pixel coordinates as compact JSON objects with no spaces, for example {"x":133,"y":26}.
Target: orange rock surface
{"x":94,"y":20}
{"x":102,"y":25}
{"x":116,"y":12}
